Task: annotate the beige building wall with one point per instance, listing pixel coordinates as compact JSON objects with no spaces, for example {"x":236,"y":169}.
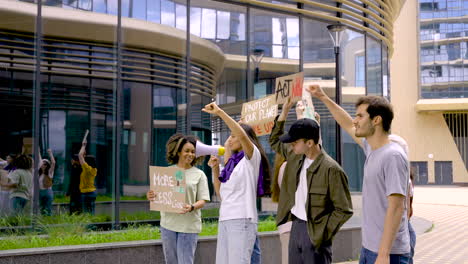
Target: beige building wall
{"x":427,"y":133}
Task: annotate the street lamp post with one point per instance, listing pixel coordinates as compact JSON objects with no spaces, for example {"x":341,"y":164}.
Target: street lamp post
{"x":335,"y":32}
{"x":257,"y":56}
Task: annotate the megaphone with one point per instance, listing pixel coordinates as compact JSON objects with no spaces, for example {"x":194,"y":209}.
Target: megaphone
{"x":204,"y":150}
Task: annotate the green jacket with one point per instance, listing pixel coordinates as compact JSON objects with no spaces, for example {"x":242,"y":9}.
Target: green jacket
{"x":328,"y":204}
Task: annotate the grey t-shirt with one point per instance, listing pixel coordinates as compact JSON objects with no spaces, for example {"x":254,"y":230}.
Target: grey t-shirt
{"x":386,"y":172}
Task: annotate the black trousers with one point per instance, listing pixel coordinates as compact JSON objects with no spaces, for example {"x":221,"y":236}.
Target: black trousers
{"x":301,"y":249}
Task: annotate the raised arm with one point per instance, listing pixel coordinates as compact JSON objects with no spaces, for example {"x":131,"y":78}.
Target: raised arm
{"x":339,"y":114}
{"x":52,"y":162}
{"x":82,"y":153}
{"x":236,"y":129}
{"x":278,"y":129}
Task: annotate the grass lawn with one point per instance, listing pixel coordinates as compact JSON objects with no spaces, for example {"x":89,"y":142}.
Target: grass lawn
{"x":75,"y":233}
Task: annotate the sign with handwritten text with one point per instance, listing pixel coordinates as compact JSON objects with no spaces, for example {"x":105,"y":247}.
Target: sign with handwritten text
{"x":287,"y":86}
{"x":168,"y":183}
{"x":260,"y":114}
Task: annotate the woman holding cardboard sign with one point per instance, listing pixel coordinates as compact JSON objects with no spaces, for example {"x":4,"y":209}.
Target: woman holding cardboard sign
{"x":179,"y":231}
{"x":238,"y":186}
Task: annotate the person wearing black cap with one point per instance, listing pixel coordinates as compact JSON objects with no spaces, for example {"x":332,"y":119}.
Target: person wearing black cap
{"x":314,"y":191}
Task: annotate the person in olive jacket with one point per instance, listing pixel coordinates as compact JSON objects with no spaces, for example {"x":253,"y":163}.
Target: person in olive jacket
{"x":314,"y":191}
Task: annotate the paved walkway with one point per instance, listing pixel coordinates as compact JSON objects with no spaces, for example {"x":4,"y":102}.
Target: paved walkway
{"x":447,"y":209}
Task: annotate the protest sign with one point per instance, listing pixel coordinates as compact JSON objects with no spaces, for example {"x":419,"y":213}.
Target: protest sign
{"x":168,"y":183}
{"x":287,"y":86}
{"x":309,"y":110}
{"x":260,"y":114}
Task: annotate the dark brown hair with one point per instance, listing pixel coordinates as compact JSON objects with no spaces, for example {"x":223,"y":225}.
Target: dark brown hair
{"x":46,"y":170}
{"x":23,"y":162}
{"x":266,"y":165}
{"x":378,"y":106}
{"x":174,"y":146}
{"x":275,"y":186}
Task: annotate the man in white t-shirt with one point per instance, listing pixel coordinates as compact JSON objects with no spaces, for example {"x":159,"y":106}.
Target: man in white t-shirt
{"x":385,"y":236}
{"x":314,"y":192}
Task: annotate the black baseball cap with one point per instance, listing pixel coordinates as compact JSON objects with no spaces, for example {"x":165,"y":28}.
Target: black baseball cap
{"x":302,"y":129}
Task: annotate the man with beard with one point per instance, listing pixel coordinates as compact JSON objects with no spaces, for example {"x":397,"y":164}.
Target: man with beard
{"x":385,"y":236}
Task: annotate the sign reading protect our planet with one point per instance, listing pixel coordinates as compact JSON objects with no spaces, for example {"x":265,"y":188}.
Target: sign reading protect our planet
{"x":260,"y":114}
{"x":168,"y":183}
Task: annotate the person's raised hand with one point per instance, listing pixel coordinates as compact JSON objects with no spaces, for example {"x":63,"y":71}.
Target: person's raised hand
{"x":317,"y":117}
{"x":211,"y":108}
{"x":288,"y":104}
{"x":316,"y":91}
{"x":213,"y":162}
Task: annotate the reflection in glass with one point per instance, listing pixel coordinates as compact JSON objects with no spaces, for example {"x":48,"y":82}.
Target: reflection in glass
{"x":195,"y":21}
{"x":223,"y":19}
{"x":374,"y":67}
{"x":85,"y":4}
{"x":181,"y":17}
{"x":112,"y":7}
{"x":139,"y":9}
{"x":208,"y":25}
{"x":99,"y":6}
{"x":154,"y":11}
{"x":167,"y":13}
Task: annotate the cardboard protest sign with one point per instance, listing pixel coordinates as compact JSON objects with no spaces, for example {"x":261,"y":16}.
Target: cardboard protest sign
{"x":290,"y":85}
{"x":168,"y":183}
{"x":309,"y":110}
{"x":260,"y":114}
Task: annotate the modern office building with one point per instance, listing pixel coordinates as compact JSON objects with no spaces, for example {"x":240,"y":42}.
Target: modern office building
{"x":136,"y":72}
{"x":431,"y":93}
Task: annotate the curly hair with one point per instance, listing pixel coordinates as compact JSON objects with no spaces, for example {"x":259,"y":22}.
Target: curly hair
{"x":23,"y":162}
{"x":174,"y":146}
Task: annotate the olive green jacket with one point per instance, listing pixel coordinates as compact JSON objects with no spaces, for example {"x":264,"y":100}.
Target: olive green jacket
{"x":328,"y":204}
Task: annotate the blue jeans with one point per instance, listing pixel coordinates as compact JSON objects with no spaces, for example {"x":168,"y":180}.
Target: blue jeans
{"x":236,"y":240}
{"x":257,"y":252}
{"x":412,"y":236}
{"x":17,"y":205}
{"x":45,"y":201}
{"x":88,"y":201}
{"x":178,"y":247}
{"x":369,"y":257}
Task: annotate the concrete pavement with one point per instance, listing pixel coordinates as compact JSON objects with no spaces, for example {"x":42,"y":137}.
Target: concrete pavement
{"x":446,"y":207}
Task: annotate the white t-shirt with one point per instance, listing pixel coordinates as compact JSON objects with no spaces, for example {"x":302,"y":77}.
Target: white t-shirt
{"x":301,"y":193}
{"x":239,"y":193}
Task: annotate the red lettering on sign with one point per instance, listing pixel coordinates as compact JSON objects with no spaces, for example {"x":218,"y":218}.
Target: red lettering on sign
{"x":297,"y":88}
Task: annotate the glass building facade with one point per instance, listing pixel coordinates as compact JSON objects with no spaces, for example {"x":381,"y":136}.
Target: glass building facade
{"x":131,"y":98}
{"x":443,"y":48}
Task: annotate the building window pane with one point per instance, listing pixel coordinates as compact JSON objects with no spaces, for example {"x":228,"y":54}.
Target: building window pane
{"x":223,"y":25}
{"x":195,"y":21}
{"x":168,"y":13}
{"x":208,"y":23}
{"x":139,"y":9}
{"x":85,"y":4}
{"x":181,"y":17}
{"x":154,"y":11}
{"x":99,"y":6}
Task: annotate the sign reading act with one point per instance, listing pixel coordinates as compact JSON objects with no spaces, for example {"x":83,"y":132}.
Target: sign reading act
{"x":168,"y":183}
{"x":290,"y":85}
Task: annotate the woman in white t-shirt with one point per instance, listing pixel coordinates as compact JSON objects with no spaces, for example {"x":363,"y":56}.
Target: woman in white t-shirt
{"x":46,"y":176}
{"x":238,"y":186}
{"x":179,"y":231}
